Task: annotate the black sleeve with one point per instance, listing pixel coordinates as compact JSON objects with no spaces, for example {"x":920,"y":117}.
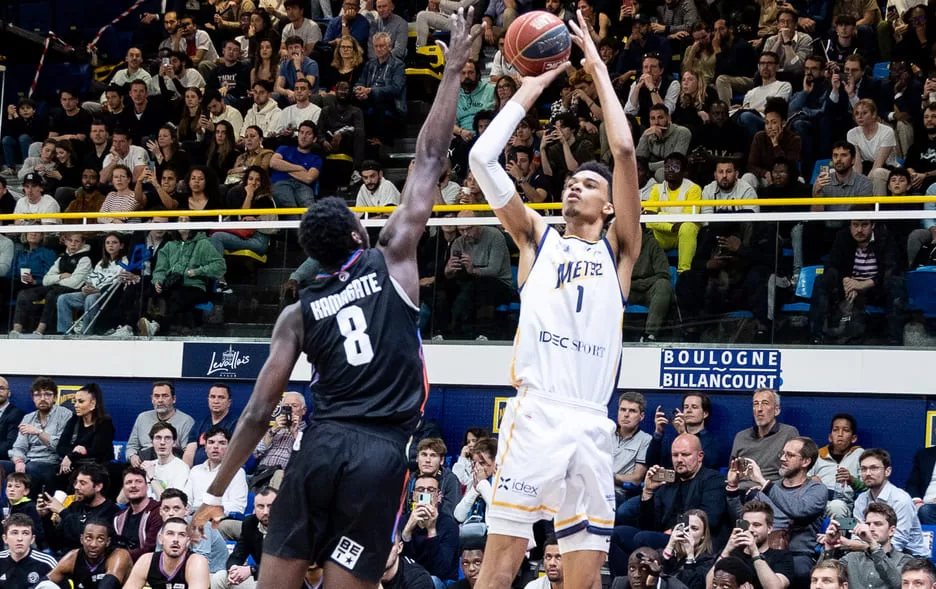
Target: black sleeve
{"x":781,"y":562}
{"x":63,"y":448}
{"x":242,"y":550}
{"x":102,"y":442}
{"x":914,"y":484}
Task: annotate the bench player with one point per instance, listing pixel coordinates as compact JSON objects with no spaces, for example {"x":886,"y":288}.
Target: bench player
{"x":568,"y":344}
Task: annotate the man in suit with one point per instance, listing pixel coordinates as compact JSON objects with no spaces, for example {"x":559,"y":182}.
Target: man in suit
{"x":250,"y":544}
{"x":920,"y":486}
{"x":10,"y":418}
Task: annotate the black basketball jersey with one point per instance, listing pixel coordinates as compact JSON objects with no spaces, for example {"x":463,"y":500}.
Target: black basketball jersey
{"x":361,"y":334}
{"x":156,"y":578}
{"x":87,"y":576}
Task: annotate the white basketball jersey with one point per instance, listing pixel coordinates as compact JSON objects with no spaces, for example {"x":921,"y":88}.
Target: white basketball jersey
{"x":568,"y":341}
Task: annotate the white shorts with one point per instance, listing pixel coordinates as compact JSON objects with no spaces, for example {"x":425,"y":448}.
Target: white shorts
{"x":554,"y":463}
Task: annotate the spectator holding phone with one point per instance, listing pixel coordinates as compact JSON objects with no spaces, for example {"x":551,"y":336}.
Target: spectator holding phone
{"x":430,"y":536}
{"x":750,"y":542}
{"x":688,"y":554}
{"x":870,"y":557}
{"x":666,"y":495}
{"x":798,"y":502}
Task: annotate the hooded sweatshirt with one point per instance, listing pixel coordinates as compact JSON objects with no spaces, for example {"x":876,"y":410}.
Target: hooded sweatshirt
{"x":196,"y":253}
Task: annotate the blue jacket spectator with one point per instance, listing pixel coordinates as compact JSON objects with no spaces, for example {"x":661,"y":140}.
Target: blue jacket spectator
{"x":352,"y":20}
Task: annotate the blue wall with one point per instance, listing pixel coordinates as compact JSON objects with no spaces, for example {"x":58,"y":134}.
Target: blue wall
{"x":894,"y":423}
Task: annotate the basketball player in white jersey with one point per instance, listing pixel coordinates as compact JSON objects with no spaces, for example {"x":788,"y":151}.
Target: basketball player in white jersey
{"x":554,"y":452}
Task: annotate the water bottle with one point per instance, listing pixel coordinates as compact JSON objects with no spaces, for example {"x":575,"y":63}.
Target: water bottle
{"x":839,"y":492}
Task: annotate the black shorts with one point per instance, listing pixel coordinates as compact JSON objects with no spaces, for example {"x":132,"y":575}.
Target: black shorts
{"x":339,"y":499}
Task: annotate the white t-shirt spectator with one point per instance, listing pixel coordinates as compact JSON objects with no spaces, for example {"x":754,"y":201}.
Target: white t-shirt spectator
{"x":202,"y":41}
{"x":756,"y":98}
{"x":292,"y":116}
{"x":46,"y":205}
{"x":309,"y":32}
{"x":201,"y":477}
{"x":231,"y":115}
{"x":123,"y":78}
{"x":173,"y":475}
{"x":868,"y":148}
{"x":190,"y":78}
{"x":501,"y":67}
{"x":135,"y":157}
{"x":450,"y":193}
{"x":385,"y":195}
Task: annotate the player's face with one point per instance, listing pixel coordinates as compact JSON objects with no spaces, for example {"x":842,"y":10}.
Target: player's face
{"x":94,"y":541}
{"x":174,"y":539}
{"x":629,"y":415}
{"x":725,"y":580}
{"x":586,"y":195}
{"x":842,"y":437}
{"x":471,"y":564}
{"x":552,"y":562}
{"x":428,"y":461}
{"x":18,"y":539}
{"x":172,"y":507}
{"x":757,"y":525}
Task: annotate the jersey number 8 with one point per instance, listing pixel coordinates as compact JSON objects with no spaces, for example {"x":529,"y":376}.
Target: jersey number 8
{"x":357,"y":344}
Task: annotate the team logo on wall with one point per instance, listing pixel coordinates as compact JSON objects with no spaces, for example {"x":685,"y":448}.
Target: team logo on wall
{"x":236,"y":361}
{"x":720,"y":370}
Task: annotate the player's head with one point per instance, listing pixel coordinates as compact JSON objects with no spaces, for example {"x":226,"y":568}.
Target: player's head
{"x":587,"y":194}
{"x":472,"y":556}
{"x":95,"y":538}
{"x":330,"y":232}
{"x":174,"y":537}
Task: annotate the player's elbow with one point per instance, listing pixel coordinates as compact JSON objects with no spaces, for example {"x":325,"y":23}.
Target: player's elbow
{"x":478,"y":160}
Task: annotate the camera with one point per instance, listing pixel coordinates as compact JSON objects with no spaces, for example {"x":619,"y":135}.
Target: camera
{"x":665,"y":475}
{"x":284,"y":411}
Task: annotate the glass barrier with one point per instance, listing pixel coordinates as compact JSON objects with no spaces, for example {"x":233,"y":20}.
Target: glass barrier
{"x":772,"y":277}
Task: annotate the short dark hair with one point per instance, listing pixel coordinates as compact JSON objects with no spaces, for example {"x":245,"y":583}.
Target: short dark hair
{"x":569,"y":121}
{"x":112,"y":88}
{"x":473,"y":543}
{"x":772,"y":54}
{"x":133,"y":470}
{"x":96,"y":521}
{"x":704,"y":399}
{"x":733,"y":565}
{"x":160,"y":426}
{"x":18,"y":520}
{"x":481,"y":115}
{"x":777,"y":105}
{"x":856,"y":57}
{"x":255,"y":127}
{"x":719,"y":161}
{"x":847,"y":417}
{"x":809,"y":451}
{"x":818,"y":57}
{"x":173,"y":520}
{"x":325,"y":232}
{"x":212,"y":95}
{"x":93,"y":471}
{"x":841,"y":571}
{"x":307,"y":123}
{"x":265,"y":84}
{"x":432,"y":476}
{"x":371,"y":165}
{"x":294,"y":40}
{"x":20,"y":477}
{"x":930,"y":106}
{"x":844,"y":19}
{"x":43,"y":383}
{"x":879,"y":453}
{"x":303,"y":81}
{"x":759,"y":507}
{"x":173,"y":493}
{"x":293,"y":3}
{"x":883,"y":509}
{"x":599,"y":168}
{"x":679,"y":157}
{"x":787,"y":10}
{"x":633,"y":397}
{"x":659,"y":106}
{"x":267,"y":490}
{"x":901,"y":171}
{"x":477,"y":432}
{"x":138,"y":82}
{"x":550,"y":540}
{"x":218,"y":430}
{"x":167,"y":384}
{"x":842,"y":144}
{"x":221,"y":385}
{"x":521,"y":149}
{"x":231,"y":42}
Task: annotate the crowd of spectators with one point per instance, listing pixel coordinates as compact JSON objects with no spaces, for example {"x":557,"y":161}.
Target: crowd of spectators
{"x":774,"y":505}
{"x":242,"y":105}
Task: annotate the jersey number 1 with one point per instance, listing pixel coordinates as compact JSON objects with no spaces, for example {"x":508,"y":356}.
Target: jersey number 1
{"x":357,"y":344}
{"x":581,"y":295}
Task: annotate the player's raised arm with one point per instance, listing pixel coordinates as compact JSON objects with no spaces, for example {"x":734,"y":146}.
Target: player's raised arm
{"x":285,"y":347}
{"x":401,"y":234}
{"x":524,"y":225}
{"x":624,"y":233}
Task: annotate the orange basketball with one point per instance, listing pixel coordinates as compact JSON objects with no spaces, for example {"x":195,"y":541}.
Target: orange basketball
{"x":536,"y":42}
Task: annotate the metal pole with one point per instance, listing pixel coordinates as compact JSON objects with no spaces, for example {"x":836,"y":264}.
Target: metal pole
{"x":2,"y":99}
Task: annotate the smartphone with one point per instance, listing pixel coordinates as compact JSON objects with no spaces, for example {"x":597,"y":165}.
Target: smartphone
{"x":683,"y":520}
{"x":742,"y":524}
{"x":424,"y":499}
{"x":846,"y":524}
{"x":892,"y":13}
{"x":665,"y":475}
{"x":627,"y":3}
{"x":844,"y":77}
{"x":165,"y":62}
{"x":675,"y":413}
{"x":824,"y":170}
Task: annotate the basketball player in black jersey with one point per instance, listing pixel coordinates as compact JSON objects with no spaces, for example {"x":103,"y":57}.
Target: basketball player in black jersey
{"x":358,"y":323}
{"x":96,"y":565}
{"x":173,"y":568}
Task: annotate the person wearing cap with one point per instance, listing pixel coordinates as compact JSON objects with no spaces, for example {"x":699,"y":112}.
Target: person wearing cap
{"x":35,"y":202}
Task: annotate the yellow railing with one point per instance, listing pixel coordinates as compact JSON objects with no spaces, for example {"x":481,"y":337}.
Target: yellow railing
{"x":763,"y":202}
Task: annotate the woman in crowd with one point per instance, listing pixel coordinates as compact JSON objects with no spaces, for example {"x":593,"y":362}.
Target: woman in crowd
{"x":775,"y":141}
{"x":700,"y":56}
{"x":67,"y":173}
{"x":347,"y":65}
{"x":183,"y":272}
{"x":203,"y":191}
{"x":504,"y":90}
{"x":912,"y":33}
{"x":688,"y":554}
{"x":102,"y":278}
{"x":597,"y":22}
{"x":167,"y":190}
{"x":875,"y":143}
{"x":31,"y":263}
{"x":123,"y":199}
{"x":694,"y":99}
{"x":255,"y":192}
{"x":192,"y":112}
{"x":473,"y":504}
{"x":254,"y":155}
{"x":265,"y":66}
{"x":463,"y":467}
{"x":222,"y":152}
{"x":166,"y":152}
{"x":89,"y":434}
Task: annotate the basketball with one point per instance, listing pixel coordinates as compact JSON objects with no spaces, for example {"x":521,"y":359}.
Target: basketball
{"x":537,"y":42}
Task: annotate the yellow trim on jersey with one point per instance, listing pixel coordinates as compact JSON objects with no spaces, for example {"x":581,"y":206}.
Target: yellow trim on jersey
{"x":524,"y":507}
{"x":513,"y":361}
{"x":582,"y":516}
